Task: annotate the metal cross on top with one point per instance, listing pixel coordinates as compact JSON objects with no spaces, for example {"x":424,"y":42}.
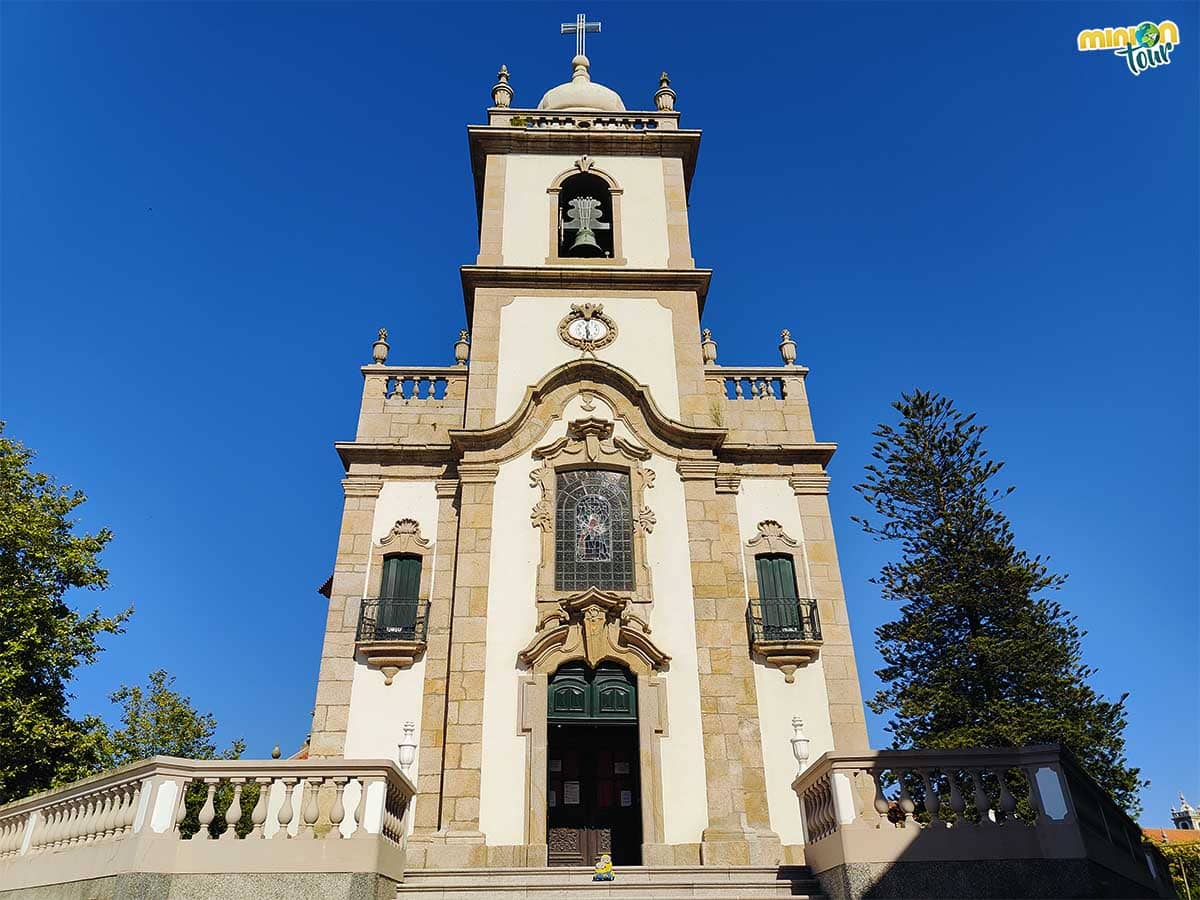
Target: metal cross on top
{"x":579,"y":28}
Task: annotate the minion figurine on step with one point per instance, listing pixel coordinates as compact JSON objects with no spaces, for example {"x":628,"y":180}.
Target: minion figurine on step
{"x":604,"y":869}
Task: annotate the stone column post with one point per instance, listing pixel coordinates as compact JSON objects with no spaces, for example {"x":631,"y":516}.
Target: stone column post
{"x":437,"y":670}
{"x":332,"y":709}
{"x":738,"y":830}
{"x":460,"y":843}
{"x":837,"y":650}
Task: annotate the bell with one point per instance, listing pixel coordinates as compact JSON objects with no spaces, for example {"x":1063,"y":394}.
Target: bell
{"x":585,"y":244}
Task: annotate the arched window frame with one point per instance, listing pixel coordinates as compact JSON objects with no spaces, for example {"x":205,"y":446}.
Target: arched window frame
{"x":584,"y":166}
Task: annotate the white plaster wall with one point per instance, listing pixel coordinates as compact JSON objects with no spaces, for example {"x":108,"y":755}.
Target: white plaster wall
{"x":378,"y":711}
{"x":530,"y":347}
{"x":778,"y":701}
{"x":511,"y":622}
{"x":526,"y":233}
{"x":673,"y":629}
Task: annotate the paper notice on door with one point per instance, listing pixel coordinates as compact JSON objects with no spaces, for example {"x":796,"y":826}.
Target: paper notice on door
{"x":552,"y":799}
{"x":570,"y":793}
{"x":627,"y":798}
{"x":621,"y":768}
{"x":556,"y":765}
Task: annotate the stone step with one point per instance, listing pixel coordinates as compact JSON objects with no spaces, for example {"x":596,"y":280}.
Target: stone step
{"x":631,"y":883}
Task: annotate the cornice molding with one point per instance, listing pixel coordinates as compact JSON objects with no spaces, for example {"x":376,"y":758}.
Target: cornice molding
{"x":362,"y":487}
{"x":576,"y":277}
{"x":809,"y":484}
{"x":588,"y":374}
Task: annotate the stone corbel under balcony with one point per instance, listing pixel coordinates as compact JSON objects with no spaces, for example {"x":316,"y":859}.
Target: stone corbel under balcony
{"x":787,"y":656}
{"x":390,"y":656}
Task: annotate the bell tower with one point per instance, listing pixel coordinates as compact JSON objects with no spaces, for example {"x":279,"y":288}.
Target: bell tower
{"x":579,"y":199}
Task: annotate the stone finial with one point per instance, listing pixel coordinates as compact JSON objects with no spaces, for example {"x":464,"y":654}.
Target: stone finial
{"x":275,"y":754}
{"x":664,"y":97}
{"x":462,"y":349}
{"x":502,"y":92}
{"x":708,"y":347}
{"x":787,"y":348}
{"x":380,"y":349}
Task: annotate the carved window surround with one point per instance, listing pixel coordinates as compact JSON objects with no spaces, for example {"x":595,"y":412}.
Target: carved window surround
{"x":590,"y":444}
{"x":789,"y":655}
{"x":404,"y":539}
{"x":585,"y":166}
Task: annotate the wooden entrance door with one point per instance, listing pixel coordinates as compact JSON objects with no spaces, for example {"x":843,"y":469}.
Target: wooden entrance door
{"x":593,"y":794}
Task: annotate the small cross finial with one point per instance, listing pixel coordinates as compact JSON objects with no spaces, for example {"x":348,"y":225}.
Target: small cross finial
{"x":579,"y":28}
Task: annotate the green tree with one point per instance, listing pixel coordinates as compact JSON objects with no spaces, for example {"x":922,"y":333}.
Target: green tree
{"x":156,"y":720}
{"x":1183,"y":862}
{"x":979,"y":656}
{"x":43,"y":640}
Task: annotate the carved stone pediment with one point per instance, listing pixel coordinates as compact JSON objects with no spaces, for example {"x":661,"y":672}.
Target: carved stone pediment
{"x":405,"y":537}
{"x":593,"y":626}
{"x":771,"y":538}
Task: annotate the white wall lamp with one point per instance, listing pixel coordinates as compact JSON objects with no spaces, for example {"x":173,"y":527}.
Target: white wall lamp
{"x":799,"y":744}
{"x":408,"y":747}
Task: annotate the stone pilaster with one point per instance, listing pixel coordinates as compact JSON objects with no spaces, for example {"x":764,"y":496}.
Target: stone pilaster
{"x":332,"y":708}
{"x":437,"y":665}
{"x":837,"y":649}
{"x":458,"y":841}
{"x":738,"y":830}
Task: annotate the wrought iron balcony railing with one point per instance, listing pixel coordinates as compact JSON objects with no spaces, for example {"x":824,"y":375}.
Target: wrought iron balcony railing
{"x":783,"y":619}
{"x":392,"y":620}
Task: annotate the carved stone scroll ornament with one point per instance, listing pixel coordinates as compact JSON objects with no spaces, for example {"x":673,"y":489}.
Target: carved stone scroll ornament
{"x":595,"y":627}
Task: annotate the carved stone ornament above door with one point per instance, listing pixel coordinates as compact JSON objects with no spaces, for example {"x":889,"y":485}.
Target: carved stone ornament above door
{"x":590,"y":443}
{"x":593,"y":626}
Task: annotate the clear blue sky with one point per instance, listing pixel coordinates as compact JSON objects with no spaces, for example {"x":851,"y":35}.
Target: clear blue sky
{"x":209,"y":209}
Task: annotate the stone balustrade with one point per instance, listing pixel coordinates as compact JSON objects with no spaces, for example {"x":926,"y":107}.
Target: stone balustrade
{"x":411,"y":404}
{"x":174,"y":817}
{"x":561,"y":119}
{"x":760,"y":404}
{"x":868,"y":816}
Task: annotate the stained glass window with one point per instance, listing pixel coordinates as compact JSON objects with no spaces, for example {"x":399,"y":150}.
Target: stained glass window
{"x":593,"y":531}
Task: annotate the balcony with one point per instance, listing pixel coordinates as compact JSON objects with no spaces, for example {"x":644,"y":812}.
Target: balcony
{"x":785,"y":632}
{"x":391,"y":633}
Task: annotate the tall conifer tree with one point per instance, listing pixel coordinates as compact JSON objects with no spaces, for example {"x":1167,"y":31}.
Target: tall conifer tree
{"x":979,"y":656}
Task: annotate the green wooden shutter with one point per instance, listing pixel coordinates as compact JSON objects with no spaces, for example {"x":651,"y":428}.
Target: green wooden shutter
{"x":401,"y":586}
{"x":777,"y":593}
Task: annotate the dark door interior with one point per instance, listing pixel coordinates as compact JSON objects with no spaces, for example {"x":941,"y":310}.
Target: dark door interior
{"x":593,"y":795}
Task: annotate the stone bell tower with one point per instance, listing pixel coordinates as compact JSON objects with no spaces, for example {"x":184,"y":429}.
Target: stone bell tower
{"x":593,"y":569}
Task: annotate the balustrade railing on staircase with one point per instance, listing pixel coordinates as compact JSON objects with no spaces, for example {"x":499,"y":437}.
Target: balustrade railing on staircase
{"x":166,"y":802}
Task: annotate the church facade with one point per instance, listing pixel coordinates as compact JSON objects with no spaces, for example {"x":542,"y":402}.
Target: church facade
{"x":587,"y":570}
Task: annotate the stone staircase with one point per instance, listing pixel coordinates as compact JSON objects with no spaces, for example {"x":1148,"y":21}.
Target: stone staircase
{"x":631,"y":883}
